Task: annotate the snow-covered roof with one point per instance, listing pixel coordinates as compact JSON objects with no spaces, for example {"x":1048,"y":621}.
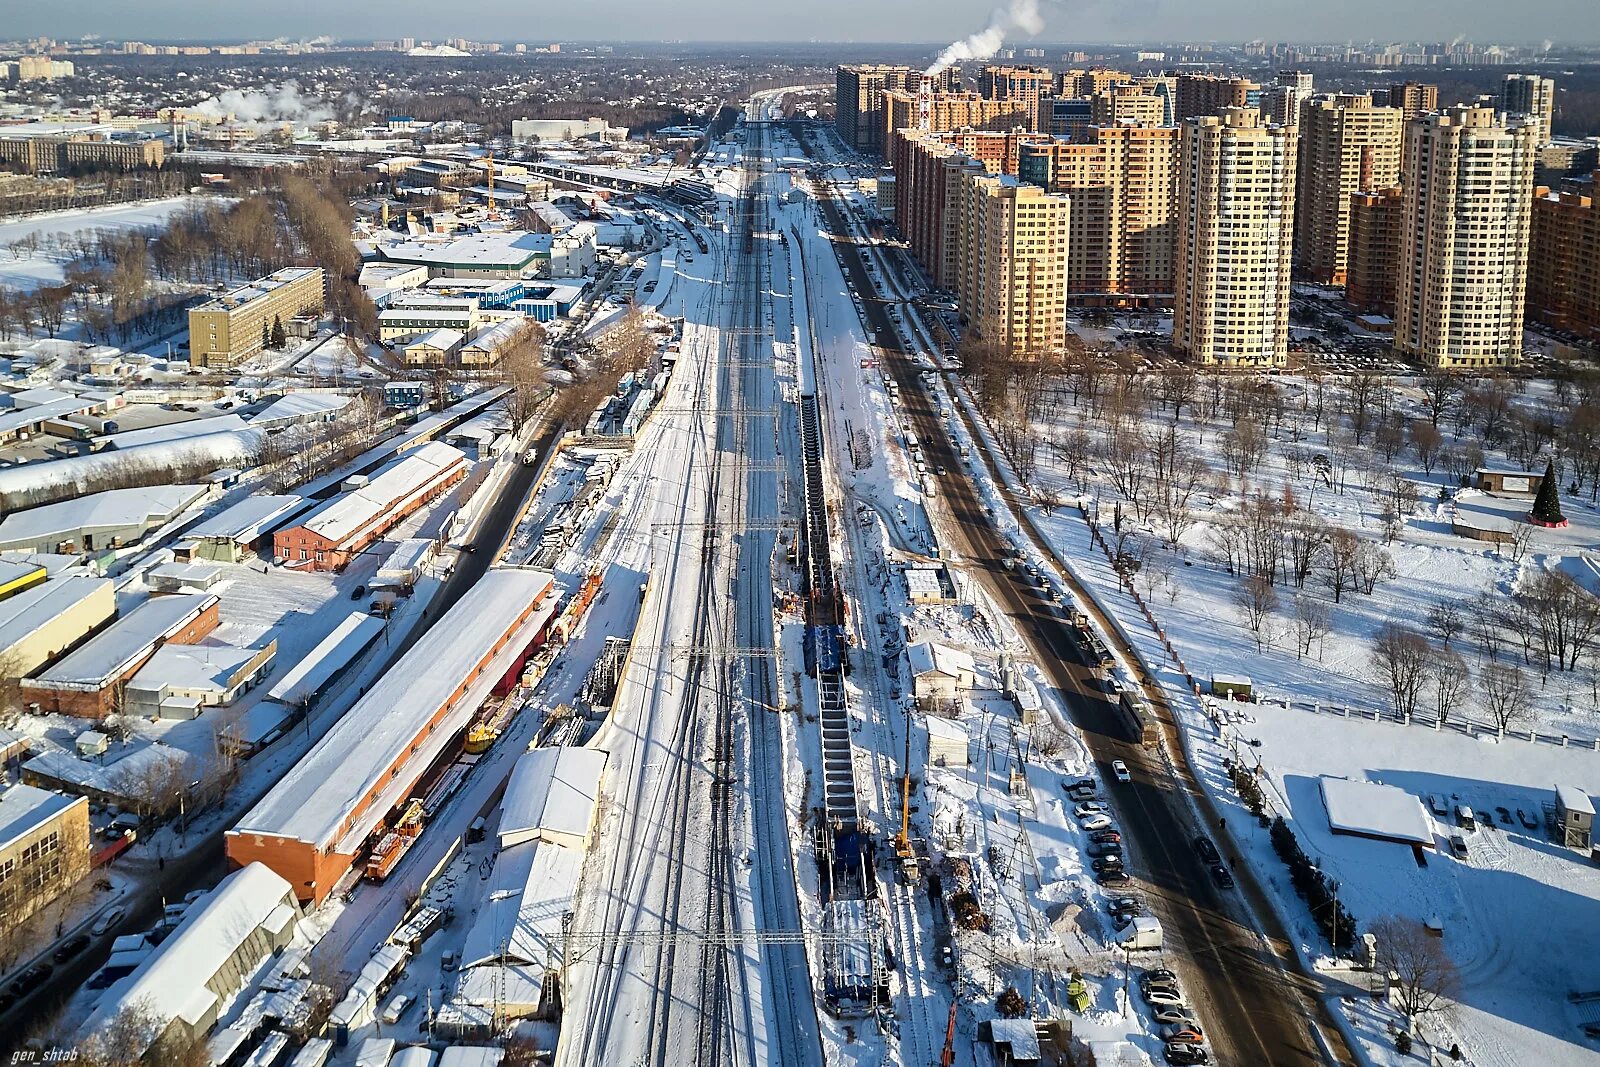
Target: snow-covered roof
{"x":551,"y":795}
{"x":25,"y":808}
{"x":55,"y":476}
{"x":470,"y":1056}
{"x":176,"y":431}
{"x":1573,"y":799}
{"x":505,"y":249}
{"x":292,"y":407}
{"x":347,"y":514}
{"x":112,"y":651}
{"x":200,"y":574}
{"x":1374,"y":810}
{"x":498,"y":334}
{"x":443,"y":339}
{"x":248,"y":519}
{"x":121,"y":778}
{"x":946,"y":731}
{"x":192,"y":667}
{"x":23,"y":613}
{"x":930,"y":657}
{"x":316,"y":800}
{"x":519,"y":919}
{"x":113,"y":509}
{"x":14,"y":419}
{"x":1019,"y":1034}
{"x":172,"y":982}
{"x":345,"y":643}
{"x":413,"y":1056}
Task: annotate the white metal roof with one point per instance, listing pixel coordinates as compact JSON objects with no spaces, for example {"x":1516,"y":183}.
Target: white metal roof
{"x":444,"y":339}
{"x":110,"y":652}
{"x":114,"y":508}
{"x":345,"y":515}
{"x":248,"y":519}
{"x":313,"y":801}
{"x":24,"y":808}
{"x":1571,"y":798}
{"x":353,"y":634}
{"x":551,"y":795}
{"x":301,"y":405}
{"x":171,"y":983}
{"x":519,"y":919}
{"x":929,"y":657}
{"x":1375,"y":810}
{"x":23,"y":613}
{"x":176,"y":431}
{"x":195,"y":667}
{"x":509,"y":249}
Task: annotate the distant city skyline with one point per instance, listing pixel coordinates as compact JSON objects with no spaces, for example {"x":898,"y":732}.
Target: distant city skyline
{"x":821,"y":21}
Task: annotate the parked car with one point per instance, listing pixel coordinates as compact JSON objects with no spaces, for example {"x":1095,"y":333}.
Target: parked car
{"x":1157,"y":974}
{"x":1120,"y":770}
{"x":1113,"y":876}
{"x":1166,"y":1016}
{"x":1162,"y":996}
{"x":1087,"y":808}
{"x":1083,"y":785}
{"x":1106,"y":837}
{"x":1096,"y":822}
{"x":70,"y":948}
{"x":1184,"y":1031}
{"x":1184,"y":1054}
{"x":358,"y":592}
{"x":1105,"y":848}
{"x":395,"y":1008}
{"x":1221,"y":876}
{"x":1105,"y":863}
{"x":104,"y":924}
{"x":1206,"y":850}
{"x":1125,"y":905}
{"x":1458,"y":847}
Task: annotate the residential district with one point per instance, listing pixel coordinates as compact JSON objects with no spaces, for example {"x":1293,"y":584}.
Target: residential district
{"x":602,"y":554}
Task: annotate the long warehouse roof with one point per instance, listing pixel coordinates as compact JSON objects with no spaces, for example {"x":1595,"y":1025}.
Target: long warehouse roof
{"x":347,"y":514}
{"x":312,"y":802}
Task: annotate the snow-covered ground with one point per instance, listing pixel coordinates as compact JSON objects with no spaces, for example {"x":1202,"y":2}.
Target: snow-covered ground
{"x":25,"y":268}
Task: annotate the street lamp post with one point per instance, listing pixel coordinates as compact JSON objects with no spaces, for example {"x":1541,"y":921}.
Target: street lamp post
{"x":183,"y":812}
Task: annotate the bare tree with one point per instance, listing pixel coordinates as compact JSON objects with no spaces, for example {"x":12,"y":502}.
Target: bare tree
{"x":1312,"y":621}
{"x":1258,"y":599}
{"x":1422,"y":978}
{"x":522,"y":368}
{"x":1447,"y":619}
{"x":1372,"y":565}
{"x":1452,"y":678}
{"x":1507,"y":696}
{"x":1400,"y":656}
{"x":1426,"y":441}
{"x":1339,"y":562}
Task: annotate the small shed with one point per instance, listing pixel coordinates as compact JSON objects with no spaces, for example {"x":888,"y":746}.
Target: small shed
{"x":1231,"y":686}
{"x":947,"y":742}
{"x":93,"y":743}
{"x":1014,"y":1040}
{"x":1575,"y":812}
{"x":183,"y":577}
{"x":938,"y":672}
{"x":1506,"y":482}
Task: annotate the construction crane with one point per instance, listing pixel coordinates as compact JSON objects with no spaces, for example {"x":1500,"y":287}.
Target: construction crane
{"x":491,"y":183}
{"x":948,"y":1057}
{"x":903,"y":848}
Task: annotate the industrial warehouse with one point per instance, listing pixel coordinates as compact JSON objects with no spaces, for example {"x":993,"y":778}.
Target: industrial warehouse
{"x":315,"y":822}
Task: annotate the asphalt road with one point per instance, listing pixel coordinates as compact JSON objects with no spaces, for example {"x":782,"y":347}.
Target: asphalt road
{"x":1238,"y":983}
{"x":203,"y":866}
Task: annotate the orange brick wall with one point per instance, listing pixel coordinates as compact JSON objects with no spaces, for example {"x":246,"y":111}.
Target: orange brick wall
{"x":98,"y":703}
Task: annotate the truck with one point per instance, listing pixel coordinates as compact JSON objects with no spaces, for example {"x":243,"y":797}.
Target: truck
{"x":1144,"y":932}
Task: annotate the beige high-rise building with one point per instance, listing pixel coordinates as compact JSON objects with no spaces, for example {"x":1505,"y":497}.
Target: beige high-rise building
{"x":1122,"y":185}
{"x":1011,"y":241}
{"x":1531,"y":95}
{"x":950,"y":111}
{"x":1208,"y":94}
{"x":1127,"y":103}
{"x":1024,"y":85}
{"x":1235,"y":234}
{"x":1281,"y":101}
{"x":1089,"y":82}
{"x":1464,"y":238}
{"x":1346,"y":145}
{"x":1412,"y":98}
{"x":858,"y":99}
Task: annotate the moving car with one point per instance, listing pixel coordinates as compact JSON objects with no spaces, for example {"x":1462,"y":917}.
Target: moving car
{"x":1120,"y":770}
{"x":1206,"y":850}
{"x":1221,"y":876}
{"x":104,"y":924}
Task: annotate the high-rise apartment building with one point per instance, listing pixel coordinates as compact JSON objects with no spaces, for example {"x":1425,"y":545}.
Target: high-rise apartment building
{"x":1122,"y":185}
{"x":951,"y":111}
{"x":1564,"y":262}
{"x":1281,"y":101}
{"x":1346,"y":145}
{"x":1373,"y":259}
{"x":1533,"y":96}
{"x":1209,"y":94}
{"x":1464,"y":238}
{"x":1024,"y":85}
{"x":1412,"y":98}
{"x":1089,"y":82}
{"x":1011,"y":241}
{"x":1235,"y":230}
{"x":1127,"y":103}
{"x":858,"y":99}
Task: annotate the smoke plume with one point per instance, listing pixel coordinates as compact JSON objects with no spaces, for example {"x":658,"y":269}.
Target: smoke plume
{"x":275,"y":103}
{"x":1017,"y":15}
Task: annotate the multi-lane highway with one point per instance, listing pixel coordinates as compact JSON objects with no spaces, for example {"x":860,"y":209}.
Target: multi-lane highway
{"x":1257,"y":1005}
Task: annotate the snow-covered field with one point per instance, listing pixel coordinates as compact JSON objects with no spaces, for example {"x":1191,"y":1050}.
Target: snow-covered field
{"x":25,"y":268}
